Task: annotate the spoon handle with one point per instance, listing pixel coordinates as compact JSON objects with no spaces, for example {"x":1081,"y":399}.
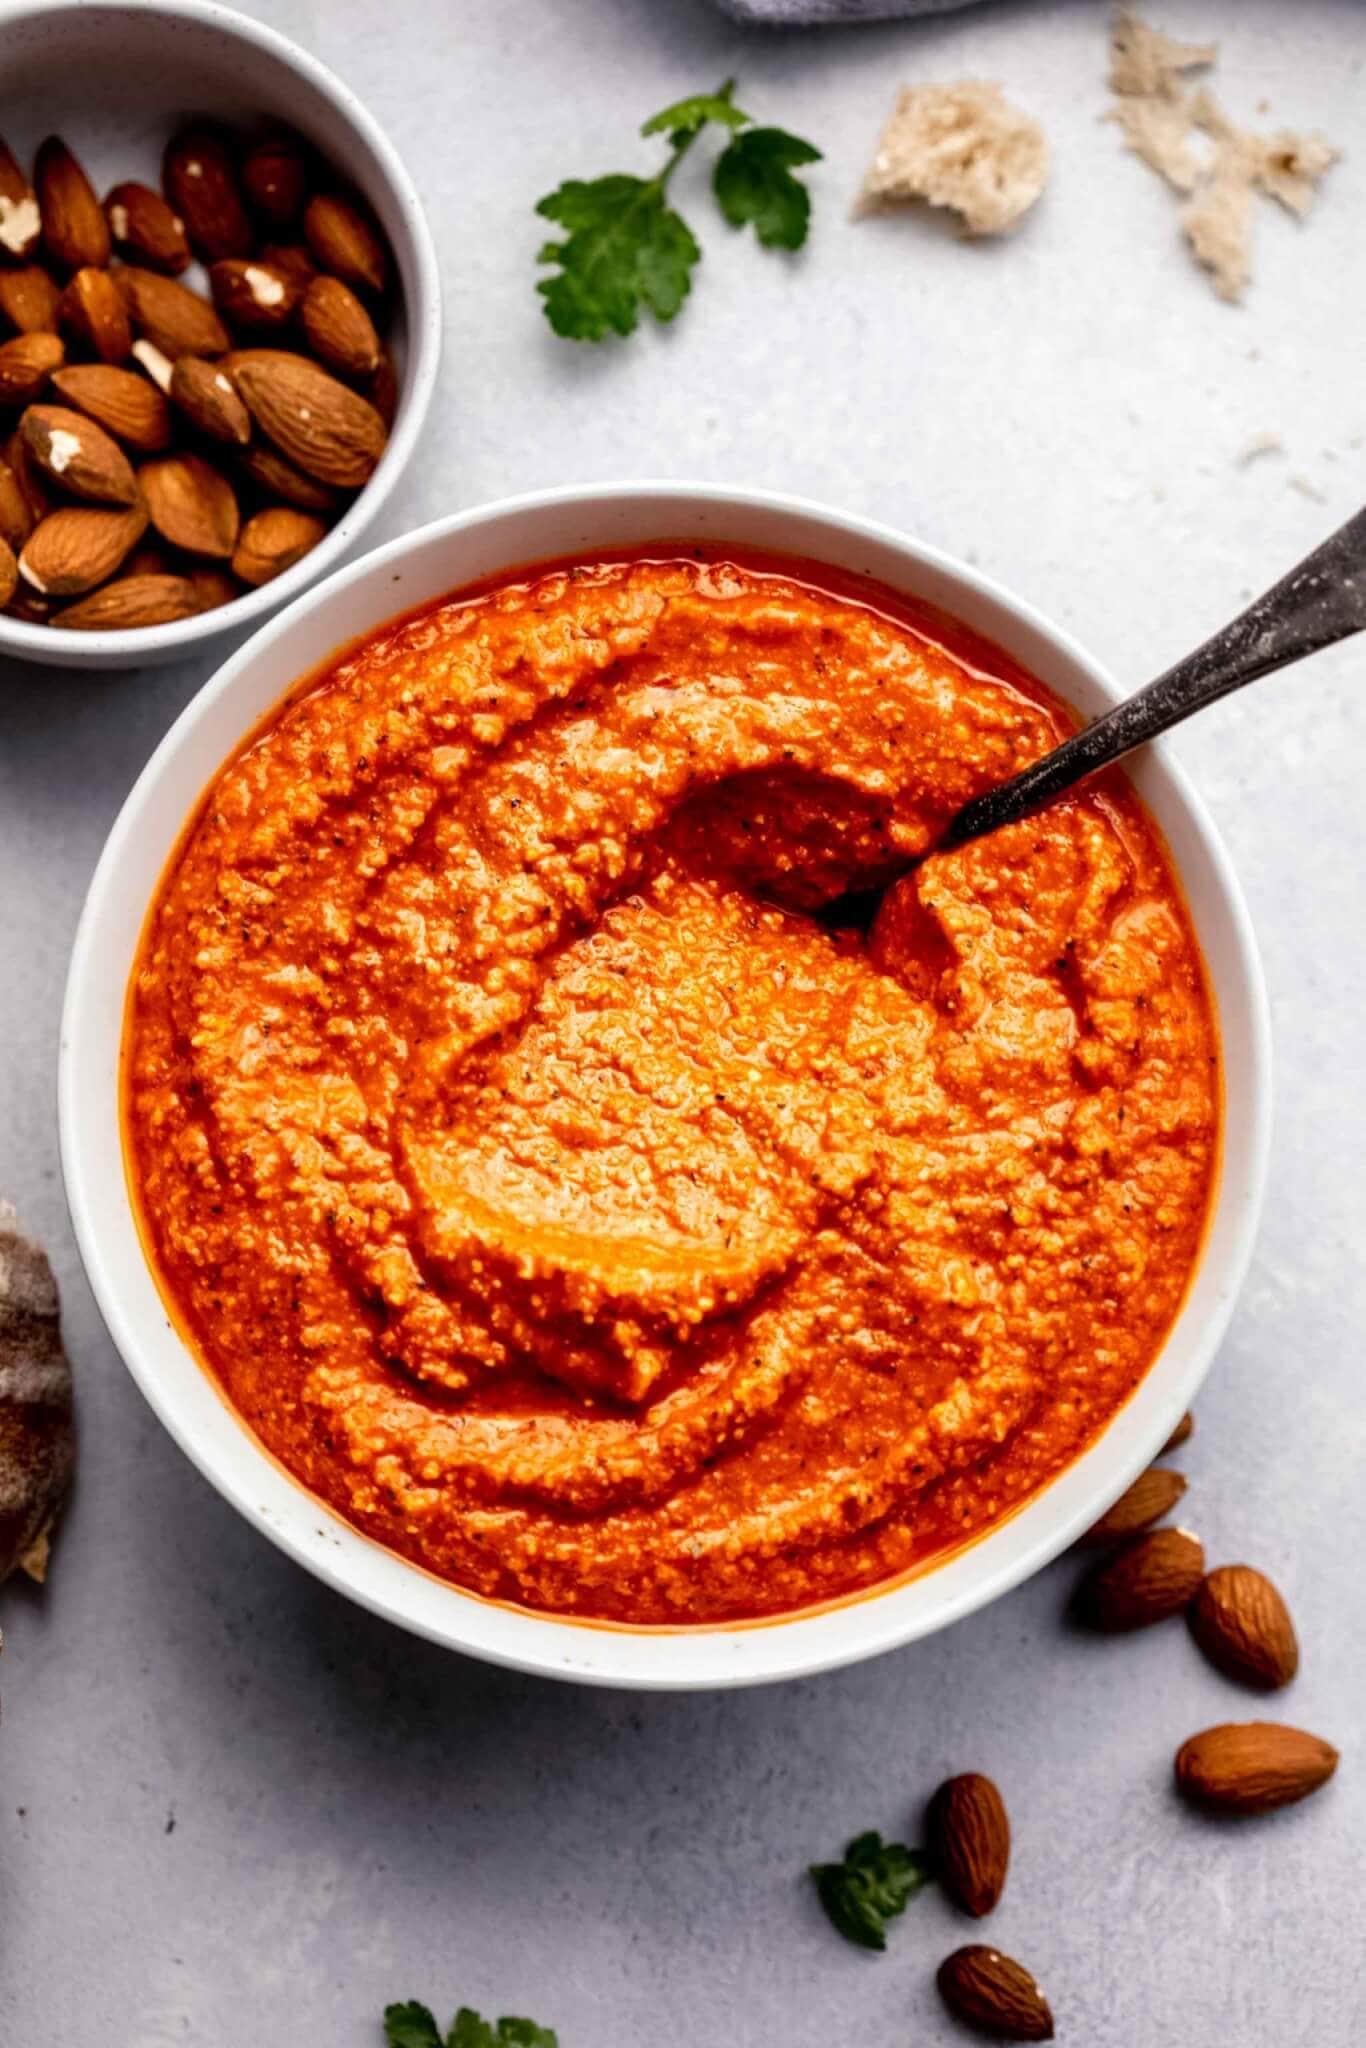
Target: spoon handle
{"x":1321,"y":601}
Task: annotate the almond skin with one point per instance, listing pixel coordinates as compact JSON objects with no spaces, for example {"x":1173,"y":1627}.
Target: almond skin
{"x":1151,"y":1577}
{"x":198,"y":172}
{"x":994,"y":1994}
{"x":26,"y":363}
{"x":146,"y":229}
{"x":172,"y":317}
{"x":268,"y":470}
{"x":338,"y":329}
{"x":78,"y":455}
{"x":251,"y":296}
{"x":192,"y":506}
{"x":9,"y":573}
{"x":208,"y":398}
{"x":131,"y":601}
{"x":126,"y":404}
{"x":1243,"y":1626}
{"x":28,"y":299}
{"x":73,"y":550}
{"x":1251,"y":1767}
{"x":1179,"y":1434}
{"x":21,"y":222}
{"x":273,"y":541}
{"x":344,"y":242}
{"x":16,"y":514}
{"x":969,"y":1835}
{"x":1153,"y":1494}
{"x":75,"y":232}
{"x":94,"y":315}
{"x":276,"y":177}
{"x":317,"y":422}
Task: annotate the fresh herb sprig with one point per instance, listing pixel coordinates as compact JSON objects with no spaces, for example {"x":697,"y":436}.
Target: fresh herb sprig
{"x":626,"y":249}
{"x":411,"y":2025}
{"x":870,"y":1887}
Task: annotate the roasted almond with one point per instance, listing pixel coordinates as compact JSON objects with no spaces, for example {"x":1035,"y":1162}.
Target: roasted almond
{"x":128,"y":405}
{"x":251,"y":296}
{"x":316,"y":421}
{"x":75,"y":232}
{"x":150,"y":558}
{"x":994,"y":1994}
{"x":78,"y":455}
{"x":1243,"y":1626}
{"x":293,"y":261}
{"x":345,"y":242}
{"x":29,"y":478}
{"x":199,"y":174}
{"x":969,"y":1834}
{"x":192,"y":506}
{"x":157,"y":366}
{"x":269,"y":471}
{"x":146,"y":228}
{"x":21,"y":222}
{"x":131,"y":601}
{"x":382,"y":390}
{"x":28,"y":606}
{"x":16,"y":514}
{"x":1151,"y":1577}
{"x":273,"y":541}
{"x":276,"y":176}
{"x":208,"y":398}
{"x":172,"y":317}
{"x":26,"y":363}
{"x":94,"y":315}
{"x":1179,"y":1434}
{"x":339,"y":331}
{"x":75,"y":549}
{"x":1249,"y":1767}
{"x":9,"y":573}
{"x":215,"y":587}
{"x":1153,"y":1494}
{"x":28,"y":299}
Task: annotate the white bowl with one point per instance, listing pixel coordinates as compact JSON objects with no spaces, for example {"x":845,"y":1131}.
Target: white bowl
{"x":114,"y":81}
{"x":441,"y":558}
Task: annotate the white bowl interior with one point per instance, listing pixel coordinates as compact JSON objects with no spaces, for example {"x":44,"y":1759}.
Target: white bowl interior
{"x":115,"y":81}
{"x":426,"y":566}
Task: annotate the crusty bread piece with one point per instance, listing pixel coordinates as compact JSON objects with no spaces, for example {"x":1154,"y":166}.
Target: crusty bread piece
{"x":1145,"y":62}
{"x":1218,"y":225}
{"x":962,"y":146}
{"x":1157,"y":128}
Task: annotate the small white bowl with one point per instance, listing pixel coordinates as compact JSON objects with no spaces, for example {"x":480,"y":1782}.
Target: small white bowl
{"x":114,"y":81}
{"x":426,"y":565}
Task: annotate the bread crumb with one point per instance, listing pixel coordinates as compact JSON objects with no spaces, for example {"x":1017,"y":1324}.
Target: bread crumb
{"x":1307,"y":489}
{"x":1144,"y":61}
{"x":1261,"y":444}
{"x":1290,"y":167}
{"x":1218,"y":226}
{"x":1158,"y":129}
{"x":964,"y":147}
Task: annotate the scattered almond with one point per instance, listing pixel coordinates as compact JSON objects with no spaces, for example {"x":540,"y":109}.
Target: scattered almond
{"x":76,"y":453}
{"x":9,"y":573}
{"x":344,"y":242}
{"x":131,"y":601}
{"x":201,"y":185}
{"x":75,"y":232}
{"x":1179,"y":1434}
{"x":251,"y":296}
{"x":94,"y":315}
{"x":338,"y":329}
{"x":78,"y":547}
{"x":1153,"y":1494}
{"x":1250,"y":1767}
{"x":209,"y":400}
{"x":320,"y":425}
{"x":21,"y":222}
{"x":145,"y":228}
{"x":969,"y":1835}
{"x":1151,"y":1577}
{"x":131,"y":408}
{"x":276,"y":176}
{"x":1243,"y":1626}
{"x":28,"y":299}
{"x":192,"y":506}
{"x":273,"y":541}
{"x":994,"y":1994}
{"x":269,"y":471}
{"x":176,"y":320}
{"x":26,"y":363}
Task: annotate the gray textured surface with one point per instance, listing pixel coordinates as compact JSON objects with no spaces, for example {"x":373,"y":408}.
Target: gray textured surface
{"x":357,"y":1816}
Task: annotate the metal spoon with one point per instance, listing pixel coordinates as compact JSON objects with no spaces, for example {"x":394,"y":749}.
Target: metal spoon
{"x":1321,"y":601}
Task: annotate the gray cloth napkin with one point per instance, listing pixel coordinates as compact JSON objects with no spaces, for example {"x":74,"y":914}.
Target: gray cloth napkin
{"x":802,"y":13}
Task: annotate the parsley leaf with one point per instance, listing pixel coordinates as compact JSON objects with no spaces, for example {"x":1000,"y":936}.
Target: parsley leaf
{"x":627,"y":248}
{"x":410,"y":2026}
{"x":754,"y":184}
{"x":870,"y":1887}
{"x":686,"y":117}
{"x":469,"y":2031}
{"x":525,"y":2034}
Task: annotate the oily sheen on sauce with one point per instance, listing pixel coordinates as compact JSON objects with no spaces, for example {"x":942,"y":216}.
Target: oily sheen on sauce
{"x":564,"y":1201}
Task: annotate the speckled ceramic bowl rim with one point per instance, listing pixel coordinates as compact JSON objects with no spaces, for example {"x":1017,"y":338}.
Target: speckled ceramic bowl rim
{"x":359,"y":598}
{"x":415,"y":256}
